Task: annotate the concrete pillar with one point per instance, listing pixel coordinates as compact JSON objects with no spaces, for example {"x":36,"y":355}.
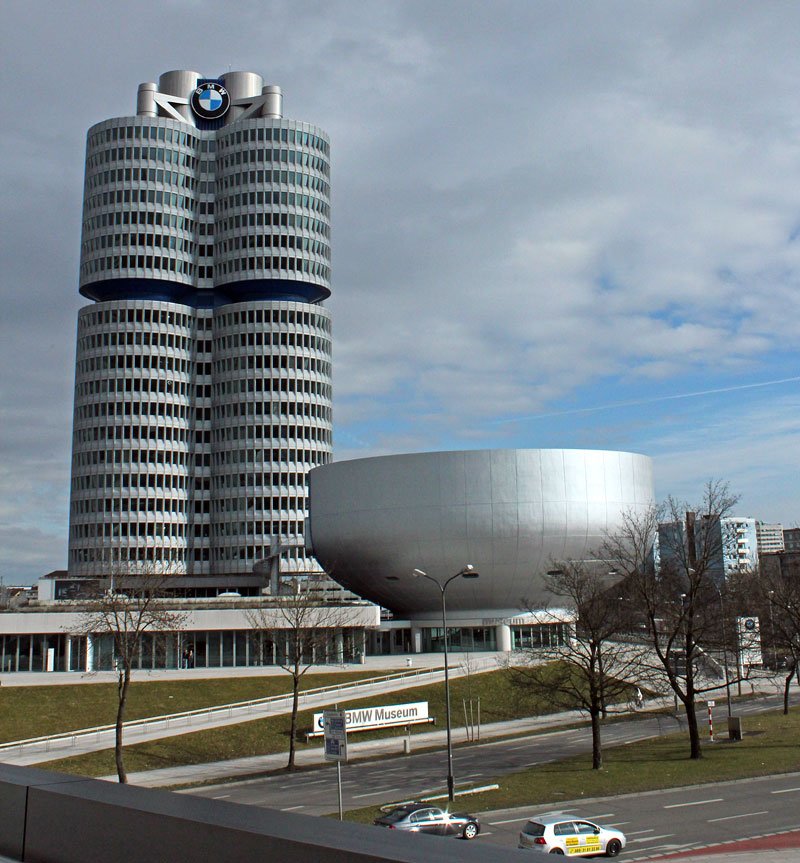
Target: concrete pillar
{"x":503,"y":637}
{"x":416,"y":639}
{"x":339,"y":646}
{"x":67,"y":653}
{"x":89,"y":652}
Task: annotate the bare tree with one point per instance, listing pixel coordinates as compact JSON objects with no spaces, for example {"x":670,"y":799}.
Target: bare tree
{"x":773,"y":593}
{"x":680,"y":601}
{"x":593,"y":667}
{"x":302,"y":629}
{"x":132,"y":609}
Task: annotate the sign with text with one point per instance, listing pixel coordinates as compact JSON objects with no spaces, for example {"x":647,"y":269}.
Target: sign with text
{"x":386,"y":716}
{"x":334,"y":727}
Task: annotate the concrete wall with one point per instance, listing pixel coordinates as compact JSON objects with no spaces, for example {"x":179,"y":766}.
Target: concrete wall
{"x":56,"y":818}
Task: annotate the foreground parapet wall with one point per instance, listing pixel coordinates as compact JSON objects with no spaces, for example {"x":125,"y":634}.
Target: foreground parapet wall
{"x":509,"y":513}
{"x":56,"y":818}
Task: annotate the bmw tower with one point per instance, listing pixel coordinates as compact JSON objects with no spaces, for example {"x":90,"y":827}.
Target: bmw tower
{"x":203,"y":368}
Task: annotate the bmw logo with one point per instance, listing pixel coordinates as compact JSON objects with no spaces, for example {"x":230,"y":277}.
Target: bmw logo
{"x":749,"y":624}
{"x":210,"y":101}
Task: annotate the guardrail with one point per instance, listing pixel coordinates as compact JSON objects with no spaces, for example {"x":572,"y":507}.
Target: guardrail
{"x":151,"y":723}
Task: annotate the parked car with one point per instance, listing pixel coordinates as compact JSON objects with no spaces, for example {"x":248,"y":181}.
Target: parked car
{"x":424,"y":818}
{"x":558,"y":834}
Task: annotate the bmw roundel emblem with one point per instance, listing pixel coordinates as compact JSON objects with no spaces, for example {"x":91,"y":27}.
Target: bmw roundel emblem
{"x":749,"y":624}
{"x":210,"y":101}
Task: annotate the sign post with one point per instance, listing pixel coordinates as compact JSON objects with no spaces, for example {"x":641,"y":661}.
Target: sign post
{"x":334,"y":724}
{"x":710,"y":720}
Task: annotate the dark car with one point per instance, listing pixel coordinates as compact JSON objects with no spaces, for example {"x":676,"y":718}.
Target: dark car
{"x":422,"y":818}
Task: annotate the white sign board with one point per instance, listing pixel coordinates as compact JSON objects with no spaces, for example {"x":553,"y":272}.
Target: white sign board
{"x":748,"y":631}
{"x":386,"y":716}
{"x":334,"y":727}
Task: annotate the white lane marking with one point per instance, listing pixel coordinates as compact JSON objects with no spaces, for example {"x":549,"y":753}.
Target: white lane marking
{"x":374,"y":793}
{"x":743,"y":815}
{"x":785,"y":791}
{"x":221,"y":797}
{"x":507,"y":821}
{"x":637,"y":832}
{"x":604,"y":815}
{"x":312,"y":782}
{"x":290,"y":808}
{"x":695,"y":803}
{"x":618,"y":823}
{"x":651,"y":838}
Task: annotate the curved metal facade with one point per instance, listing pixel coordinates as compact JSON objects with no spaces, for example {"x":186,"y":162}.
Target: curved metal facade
{"x":506,"y":512}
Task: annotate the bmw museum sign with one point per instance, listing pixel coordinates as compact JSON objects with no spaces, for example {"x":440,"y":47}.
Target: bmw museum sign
{"x":365,"y":718}
{"x":210,"y":101}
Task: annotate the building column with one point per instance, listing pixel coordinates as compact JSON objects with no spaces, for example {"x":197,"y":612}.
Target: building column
{"x":503,"y":637}
{"x":67,"y":653}
{"x":416,"y":639}
{"x":338,"y":640}
{"x":89,"y":652}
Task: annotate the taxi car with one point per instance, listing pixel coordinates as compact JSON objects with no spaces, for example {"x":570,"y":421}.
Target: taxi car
{"x":560,"y":834}
{"x":424,"y":818}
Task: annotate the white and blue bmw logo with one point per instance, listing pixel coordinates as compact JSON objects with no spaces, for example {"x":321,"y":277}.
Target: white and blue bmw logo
{"x":210,"y":101}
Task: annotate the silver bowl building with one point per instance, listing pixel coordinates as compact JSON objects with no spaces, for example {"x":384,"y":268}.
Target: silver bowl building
{"x":508,"y":513}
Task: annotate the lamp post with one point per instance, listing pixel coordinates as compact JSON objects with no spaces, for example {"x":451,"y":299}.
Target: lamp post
{"x":725,"y":650}
{"x":774,"y":666}
{"x":467,"y":572}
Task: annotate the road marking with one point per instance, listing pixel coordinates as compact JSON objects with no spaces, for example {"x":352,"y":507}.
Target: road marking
{"x":604,"y":815}
{"x":373,"y":793}
{"x":785,"y":791}
{"x":651,"y":838}
{"x":221,"y":797}
{"x":637,"y":832}
{"x":290,"y":808}
{"x":695,"y":803}
{"x":743,"y":815}
{"x":312,"y":782}
{"x":507,"y":821}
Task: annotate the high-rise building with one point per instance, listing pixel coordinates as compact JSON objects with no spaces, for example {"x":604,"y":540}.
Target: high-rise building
{"x":203,"y":369}
{"x":770,"y":537}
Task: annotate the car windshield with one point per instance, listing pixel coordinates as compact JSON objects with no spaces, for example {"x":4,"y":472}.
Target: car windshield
{"x":396,"y":815}
{"x":533,"y":828}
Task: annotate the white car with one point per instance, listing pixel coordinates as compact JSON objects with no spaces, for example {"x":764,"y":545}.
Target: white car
{"x":560,"y":834}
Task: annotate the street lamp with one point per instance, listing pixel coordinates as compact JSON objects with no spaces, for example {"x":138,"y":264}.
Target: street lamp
{"x":467,"y":572}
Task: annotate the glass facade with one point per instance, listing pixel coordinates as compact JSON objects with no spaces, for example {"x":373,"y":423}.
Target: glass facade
{"x":461,"y":639}
{"x":539,"y":635}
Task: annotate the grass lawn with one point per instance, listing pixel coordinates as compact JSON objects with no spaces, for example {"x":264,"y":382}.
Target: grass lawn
{"x":500,"y":700}
{"x":34,"y":711}
{"x":770,"y":745}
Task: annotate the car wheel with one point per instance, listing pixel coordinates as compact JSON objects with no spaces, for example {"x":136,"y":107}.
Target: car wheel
{"x":556,"y":851}
{"x":470,"y":830}
{"x":613,"y":848}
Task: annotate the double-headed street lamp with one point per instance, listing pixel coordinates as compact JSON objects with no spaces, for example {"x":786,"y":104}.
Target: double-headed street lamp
{"x":467,"y":572}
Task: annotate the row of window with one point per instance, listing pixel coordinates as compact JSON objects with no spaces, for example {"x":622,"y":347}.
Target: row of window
{"x":149,"y":175}
{"x":269,"y":178}
{"x":276,"y":199}
{"x":179,"y":266}
{"x":116,"y":530}
{"x":145,"y":338}
{"x":145,"y":217}
{"x":173,"y":482}
{"x":166,"y":155}
{"x":167,"y":457}
{"x":118,"y":197}
{"x":271,"y":241}
{"x":257,"y":134}
{"x":94,"y":505}
{"x":108,"y":362}
{"x":182,"y":136}
{"x":150,"y":434}
{"x":285,"y":432}
{"x":268,"y":156}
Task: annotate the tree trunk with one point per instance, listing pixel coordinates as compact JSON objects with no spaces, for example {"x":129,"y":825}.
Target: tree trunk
{"x":786,"y":684}
{"x":694,"y":729}
{"x":293,"y":724}
{"x":123,"y":682}
{"x":597,"y":744}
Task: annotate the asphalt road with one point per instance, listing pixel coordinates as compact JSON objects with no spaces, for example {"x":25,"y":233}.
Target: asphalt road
{"x":663,"y":822}
{"x":314,"y":792}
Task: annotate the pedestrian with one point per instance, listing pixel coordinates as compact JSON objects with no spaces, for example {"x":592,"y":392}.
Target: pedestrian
{"x":639,"y":698}
{"x":185,"y":658}
{"x":190,"y":659}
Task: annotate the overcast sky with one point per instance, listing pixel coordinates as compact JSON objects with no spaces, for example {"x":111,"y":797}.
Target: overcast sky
{"x":555,"y":224}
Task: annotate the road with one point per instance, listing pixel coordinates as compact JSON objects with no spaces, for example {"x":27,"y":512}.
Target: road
{"x":663,"y":822}
{"x":313,"y":792}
